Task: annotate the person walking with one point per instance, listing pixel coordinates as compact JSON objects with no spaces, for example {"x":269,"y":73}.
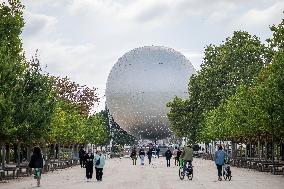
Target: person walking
{"x":168,"y":155}
{"x":158,"y":151}
{"x":220,"y":156}
{"x":142,"y":155}
{"x":89,"y":164}
{"x":149,"y":154}
{"x":187,"y":156}
{"x":36,"y":163}
{"x":175,"y":155}
{"x":82,"y":154}
{"x":133,"y":156}
{"x":99,"y":165}
{"x":178,"y":156}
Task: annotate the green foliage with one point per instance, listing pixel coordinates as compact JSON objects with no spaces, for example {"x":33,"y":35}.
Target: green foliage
{"x":255,"y":112}
{"x":34,"y":104}
{"x":35,"y":107}
{"x":12,"y":64}
{"x":235,"y":62}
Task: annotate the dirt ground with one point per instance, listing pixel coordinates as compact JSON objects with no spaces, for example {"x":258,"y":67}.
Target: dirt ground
{"x":121,"y":174}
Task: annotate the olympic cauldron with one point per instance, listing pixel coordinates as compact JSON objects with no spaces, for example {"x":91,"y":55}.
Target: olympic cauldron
{"x":139,"y":86}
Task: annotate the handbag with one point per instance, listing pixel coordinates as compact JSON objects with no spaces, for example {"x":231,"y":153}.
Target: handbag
{"x":98,"y":161}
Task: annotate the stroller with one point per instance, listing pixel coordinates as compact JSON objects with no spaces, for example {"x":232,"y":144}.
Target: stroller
{"x":188,"y":172}
{"x":227,"y":173}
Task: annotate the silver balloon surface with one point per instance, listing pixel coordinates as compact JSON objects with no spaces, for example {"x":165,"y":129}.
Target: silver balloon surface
{"x":140,"y":85}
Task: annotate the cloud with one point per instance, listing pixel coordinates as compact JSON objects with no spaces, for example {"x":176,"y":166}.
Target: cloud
{"x":257,"y":17}
{"x":82,"y":39}
{"x":38,"y":24}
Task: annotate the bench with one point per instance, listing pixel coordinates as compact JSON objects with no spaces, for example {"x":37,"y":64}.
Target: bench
{"x":11,"y":169}
{"x":275,"y":168}
{"x":263,"y":166}
{"x":25,"y":167}
{"x":2,"y":174}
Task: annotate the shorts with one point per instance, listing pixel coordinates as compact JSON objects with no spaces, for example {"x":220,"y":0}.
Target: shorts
{"x":37,"y":173}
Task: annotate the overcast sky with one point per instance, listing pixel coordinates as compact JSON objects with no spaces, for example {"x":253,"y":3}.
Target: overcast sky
{"x":83,"y":39}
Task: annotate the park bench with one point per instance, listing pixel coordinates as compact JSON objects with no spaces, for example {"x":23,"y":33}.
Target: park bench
{"x":23,"y":166}
{"x":2,"y":174}
{"x":264,"y":166}
{"x":252,"y":164}
{"x":276,"y":168}
{"x":14,"y":171}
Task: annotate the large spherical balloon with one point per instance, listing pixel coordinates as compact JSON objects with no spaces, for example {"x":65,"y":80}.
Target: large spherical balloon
{"x":140,"y":85}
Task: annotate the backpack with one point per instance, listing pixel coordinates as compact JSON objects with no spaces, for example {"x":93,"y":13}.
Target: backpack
{"x":98,"y":161}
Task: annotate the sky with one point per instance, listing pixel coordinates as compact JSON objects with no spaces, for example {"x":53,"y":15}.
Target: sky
{"x":83,"y":39}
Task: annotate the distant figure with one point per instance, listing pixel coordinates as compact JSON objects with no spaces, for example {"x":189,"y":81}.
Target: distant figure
{"x":142,"y":155}
{"x":99,"y":165}
{"x":187,"y":156}
{"x":37,"y":164}
{"x":168,"y":155}
{"x":178,"y":156}
{"x":149,"y":154}
{"x":89,"y":164}
{"x":175,"y":155}
{"x":158,"y":151}
{"x":82,"y":154}
{"x":220,"y":156}
{"x":133,"y":156}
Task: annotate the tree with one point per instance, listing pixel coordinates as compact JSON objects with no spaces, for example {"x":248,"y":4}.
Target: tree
{"x":12,"y":64}
{"x":225,"y":67}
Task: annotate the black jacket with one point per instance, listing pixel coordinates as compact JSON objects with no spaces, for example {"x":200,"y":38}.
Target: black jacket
{"x":82,"y":153}
{"x":149,"y":153}
{"x":36,"y":161}
{"x":168,"y":154}
{"x":89,"y":160}
{"x":141,"y":152}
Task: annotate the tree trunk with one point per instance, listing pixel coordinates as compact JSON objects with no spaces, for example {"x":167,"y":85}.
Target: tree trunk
{"x":18,"y":154}
{"x":266,"y":151}
{"x":29,"y":150}
{"x":3,"y":155}
{"x":282,"y":151}
{"x":59,"y":150}
{"x":8,"y":153}
{"x":259,"y":149}
{"x":246,"y":151}
{"x":272,"y":148}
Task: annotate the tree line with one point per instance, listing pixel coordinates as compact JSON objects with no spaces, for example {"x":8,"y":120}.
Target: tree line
{"x":35,"y":107}
{"x":238,"y":94}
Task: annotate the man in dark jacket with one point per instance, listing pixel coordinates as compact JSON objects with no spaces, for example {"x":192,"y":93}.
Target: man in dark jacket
{"x":168,"y":155}
{"x":89,"y":164}
{"x":149,"y":154}
{"x":82,"y":153}
{"x":133,"y":156}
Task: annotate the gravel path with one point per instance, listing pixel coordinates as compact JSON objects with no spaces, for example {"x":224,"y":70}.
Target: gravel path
{"x":121,"y":174}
